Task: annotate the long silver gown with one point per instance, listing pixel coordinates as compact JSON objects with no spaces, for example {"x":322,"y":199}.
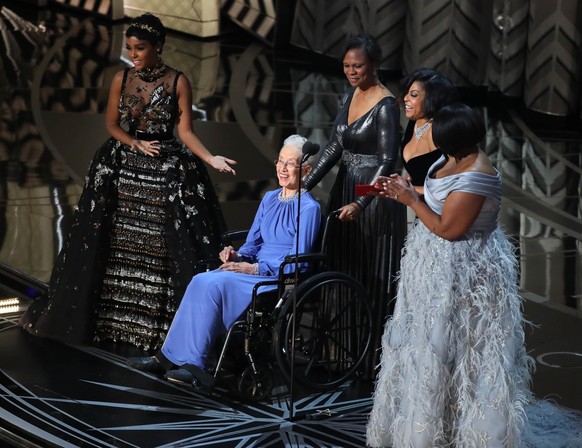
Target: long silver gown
{"x":454,"y":369}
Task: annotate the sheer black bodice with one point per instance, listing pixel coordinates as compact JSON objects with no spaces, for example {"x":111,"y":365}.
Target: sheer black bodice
{"x":151,"y":107}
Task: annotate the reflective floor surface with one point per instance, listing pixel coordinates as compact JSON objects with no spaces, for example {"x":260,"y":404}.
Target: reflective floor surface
{"x":56,"y":69}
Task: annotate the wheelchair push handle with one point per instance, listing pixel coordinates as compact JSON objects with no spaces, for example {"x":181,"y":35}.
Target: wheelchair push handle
{"x":324,"y":236}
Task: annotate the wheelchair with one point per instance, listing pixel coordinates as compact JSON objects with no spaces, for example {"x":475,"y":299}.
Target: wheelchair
{"x":315,"y":326}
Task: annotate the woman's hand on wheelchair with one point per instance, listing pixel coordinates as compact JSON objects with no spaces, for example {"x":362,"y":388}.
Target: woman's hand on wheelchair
{"x":349,"y":212}
{"x":241,"y":267}
{"x":228,"y":254}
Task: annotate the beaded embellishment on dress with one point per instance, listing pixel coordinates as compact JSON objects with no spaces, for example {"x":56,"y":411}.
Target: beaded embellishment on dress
{"x":289,"y":198}
{"x":152,"y":74}
{"x":359,"y":160}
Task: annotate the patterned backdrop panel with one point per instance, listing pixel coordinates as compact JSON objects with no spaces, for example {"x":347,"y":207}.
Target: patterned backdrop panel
{"x":470,"y":41}
{"x":553,"y":66}
{"x":508,"y":44}
{"x":527,"y":48}
{"x":450,"y":37}
{"x":428,"y":28}
{"x":323,"y":26}
{"x":257,"y":16}
{"x":199,"y":60}
{"x":196,"y":17}
{"x":112,"y":9}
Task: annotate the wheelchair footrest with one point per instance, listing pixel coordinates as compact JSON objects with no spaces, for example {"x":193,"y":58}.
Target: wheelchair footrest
{"x":191,"y":374}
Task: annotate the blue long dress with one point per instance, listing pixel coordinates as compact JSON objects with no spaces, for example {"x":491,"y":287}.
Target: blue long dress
{"x":215,"y":300}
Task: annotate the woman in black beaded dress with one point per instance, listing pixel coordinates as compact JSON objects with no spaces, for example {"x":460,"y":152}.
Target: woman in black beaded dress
{"x":147,"y":214}
{"x":366,"y":239}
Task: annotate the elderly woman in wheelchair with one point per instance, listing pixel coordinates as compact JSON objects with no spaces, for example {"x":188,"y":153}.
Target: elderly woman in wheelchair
{"x":214,"y":300}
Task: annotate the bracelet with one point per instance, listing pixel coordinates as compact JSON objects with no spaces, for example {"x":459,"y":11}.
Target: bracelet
{"x":256,"y":269}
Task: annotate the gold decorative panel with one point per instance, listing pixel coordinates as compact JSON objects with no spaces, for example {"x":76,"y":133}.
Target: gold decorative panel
{"x":198,"y":17}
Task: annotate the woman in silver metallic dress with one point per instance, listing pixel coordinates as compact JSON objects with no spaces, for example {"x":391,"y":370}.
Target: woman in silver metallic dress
{"x":147,"y":214}
{"x":367,"y":237}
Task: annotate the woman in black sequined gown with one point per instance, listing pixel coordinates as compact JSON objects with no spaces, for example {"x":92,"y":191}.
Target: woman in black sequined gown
{"x":147,"y":214}
{"x":367,"y":237}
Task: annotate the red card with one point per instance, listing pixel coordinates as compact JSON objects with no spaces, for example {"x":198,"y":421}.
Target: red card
{"x":363,"y":190}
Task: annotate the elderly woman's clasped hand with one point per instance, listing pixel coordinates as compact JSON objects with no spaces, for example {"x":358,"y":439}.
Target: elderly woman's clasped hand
{"x":231,"y":262}
{"x":242,"y":267}
{"x":228,"y":254}
{"x":395,"y":187}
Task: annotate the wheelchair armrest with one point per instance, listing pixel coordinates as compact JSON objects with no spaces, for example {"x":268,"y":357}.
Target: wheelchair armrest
{"x":312,"y":259}
{"x":305,"y":258}
{"x":264,"y":283}
{"x":234,"y":235}
{"x":255,"y":297}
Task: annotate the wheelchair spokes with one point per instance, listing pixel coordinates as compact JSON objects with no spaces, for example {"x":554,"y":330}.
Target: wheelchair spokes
{"x":332,"y":331}
{"x":256,"y":382}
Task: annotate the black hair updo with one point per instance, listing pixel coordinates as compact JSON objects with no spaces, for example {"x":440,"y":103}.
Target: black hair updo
{"x":368,"y":45}
{"x":147,"y":27}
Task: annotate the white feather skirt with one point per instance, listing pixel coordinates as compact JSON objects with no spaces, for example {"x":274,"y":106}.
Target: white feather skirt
{"x":454,"y":369}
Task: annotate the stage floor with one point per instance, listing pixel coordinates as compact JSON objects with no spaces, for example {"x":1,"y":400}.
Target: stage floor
{"x":58,"y":395}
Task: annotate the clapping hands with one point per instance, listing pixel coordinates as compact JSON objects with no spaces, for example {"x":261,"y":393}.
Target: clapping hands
{"x":395,"y":187}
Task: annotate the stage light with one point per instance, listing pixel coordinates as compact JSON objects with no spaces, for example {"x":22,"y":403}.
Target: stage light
{"x":9,"y":305}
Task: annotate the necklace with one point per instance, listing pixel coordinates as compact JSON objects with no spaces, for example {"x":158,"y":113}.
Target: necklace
{"x":289,"y":198}
{"x":420,"y":130}
{"x":152,"y":74}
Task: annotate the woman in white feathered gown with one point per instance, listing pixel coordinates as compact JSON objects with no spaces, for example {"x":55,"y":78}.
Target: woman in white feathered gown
{"x":454,"y":369}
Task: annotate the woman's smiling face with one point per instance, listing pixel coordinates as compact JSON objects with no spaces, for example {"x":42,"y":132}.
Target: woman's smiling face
{"x":414,"y":101}
{"x":141,"y":52}
{"x":288,"y":167}
{"x":358,"y":68}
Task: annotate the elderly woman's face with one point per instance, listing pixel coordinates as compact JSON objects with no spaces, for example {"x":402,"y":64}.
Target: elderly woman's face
{"x":414,"y":101}
{"x":288,"y":167}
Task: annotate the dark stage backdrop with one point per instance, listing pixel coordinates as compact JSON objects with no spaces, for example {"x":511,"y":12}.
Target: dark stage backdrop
{"x":527,"y":48}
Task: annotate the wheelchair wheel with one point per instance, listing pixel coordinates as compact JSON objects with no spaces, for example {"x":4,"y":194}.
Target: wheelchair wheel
{"x":255,"y":387}
{"x":332,"y":331}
